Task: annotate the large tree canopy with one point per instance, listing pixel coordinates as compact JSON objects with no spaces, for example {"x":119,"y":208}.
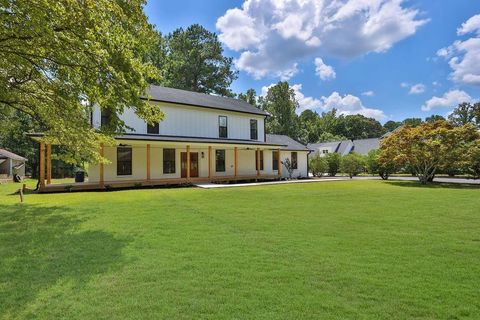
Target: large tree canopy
{"x":427,"y":147}
{"x":192,"y":59}
{"x":59,"y":58}
{"x":280,"y":102}
{"x":466,"y":113}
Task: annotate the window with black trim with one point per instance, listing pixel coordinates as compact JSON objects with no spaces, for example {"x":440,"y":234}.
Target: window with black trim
{"x":275,"y":160}
{"x":253,"y":129}
{"x":261,"y":159}
{"x":155,"y":129}
{"x":220,"y":160}
{"x":124,"y":161}
{"x":222,"y":127}
{"x":294,"y":160}
{"x":168,"y":160}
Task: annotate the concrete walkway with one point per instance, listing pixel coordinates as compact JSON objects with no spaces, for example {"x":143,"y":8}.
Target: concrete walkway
{"x":218,"y":185}
{"x":339,"y":178}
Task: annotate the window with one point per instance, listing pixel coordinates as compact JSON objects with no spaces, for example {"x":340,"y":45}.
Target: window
{"x":261,"y":159}
{"x":253,"y":129}
{"x":153,"y":129}
{"x":324,"y":151}
{"x":275,"y":160}
{"x":222,"y":127}
{"x":294,"y":160}
{"x":168,"y":160}
{"x":106,"y":118}
{"x":220,"y":160}
{"x":124,"y":161}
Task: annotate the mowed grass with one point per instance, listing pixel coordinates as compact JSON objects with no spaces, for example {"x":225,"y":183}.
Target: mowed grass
{"x":331,"y":250}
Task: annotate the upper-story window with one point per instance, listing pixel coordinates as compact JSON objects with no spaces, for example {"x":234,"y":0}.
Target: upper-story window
{"x":222,"y":127}
{"x":106,"y":118}
{"x":253,"y":129}
{"x":324,"y":151}
{"x":155,"y":129}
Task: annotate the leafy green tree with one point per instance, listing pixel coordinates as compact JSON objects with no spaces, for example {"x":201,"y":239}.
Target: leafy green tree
{"x":192,"y":59}
{"x":358,"y":127}
{"x":59,"y":58}
{"x":250,"y":96}
{"x":374,"y":166}
{"x":318,"y":165}
{"x":391,"y":125}
{"x":333,"y":162}
{"x":427,"y":148}
{"x":466,"y":113}
{"x":352,"y":164}
{"x":470,"y":162}
{"x":13,"y":138}
{"x":309,"y":126}
{"x":434,"y":117}
{"x":280,"y":102}
{"x":412,"y":122}
{"x":327,"y":122}
{"x":328,"y":137}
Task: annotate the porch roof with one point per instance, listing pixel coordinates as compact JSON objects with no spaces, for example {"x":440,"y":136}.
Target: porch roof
{"x":152,"y":137}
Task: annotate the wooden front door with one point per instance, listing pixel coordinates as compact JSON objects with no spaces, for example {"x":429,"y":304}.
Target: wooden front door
{"x":193,"y":164}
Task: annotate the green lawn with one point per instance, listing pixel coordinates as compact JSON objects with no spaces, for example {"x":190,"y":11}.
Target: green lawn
{"x":332,"y":250}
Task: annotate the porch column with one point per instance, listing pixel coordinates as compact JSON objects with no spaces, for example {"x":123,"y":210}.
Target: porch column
{"x":42,"y":165}
{"x":258,"y":162}
{"x":188,"y":162}
{"x":102,"y":166}
{"x":148,"y":162}
{"x":279,"y":163}
{"x":209,"y":162}
{"x":235,"y":151}
{"x":49,"y":163}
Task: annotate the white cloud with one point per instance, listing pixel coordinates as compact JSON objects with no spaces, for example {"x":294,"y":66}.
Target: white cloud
{"x":325,"y":72}
{"x":449,"y":100}
{"x":369,"y":93}
{"x":404,"y":84}
{"x":471,"y":25}
{"x":273,"y":35}
{"x":349,"y":104}
{"x":346,"y":104}
{"x":464,"y":56}
{"x":436,"y":84}
{"x":417,"y":88}
{"x":305,"y":102}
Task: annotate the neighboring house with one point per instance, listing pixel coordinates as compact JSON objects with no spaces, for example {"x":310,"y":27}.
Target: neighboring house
{"x":10,"y":164}
{"x":361,"y":146}
{"x":202,"y":138}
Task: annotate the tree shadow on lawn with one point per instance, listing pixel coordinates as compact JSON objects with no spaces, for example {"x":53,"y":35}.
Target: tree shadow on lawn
{"x":42,"y":246}
{"x":432,"y":185}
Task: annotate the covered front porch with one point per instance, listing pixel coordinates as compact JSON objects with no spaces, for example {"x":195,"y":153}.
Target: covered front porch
{"x":146,"y":165}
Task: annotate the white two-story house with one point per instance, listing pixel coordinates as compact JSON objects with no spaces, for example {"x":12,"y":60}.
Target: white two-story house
{"x":203,"y":138}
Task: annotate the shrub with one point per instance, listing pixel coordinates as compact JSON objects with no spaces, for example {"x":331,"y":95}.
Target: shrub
{"x":352,"y":164}
{"x":374,"y":166}
{"x":318,"y":165}
{"x":333,"y":163}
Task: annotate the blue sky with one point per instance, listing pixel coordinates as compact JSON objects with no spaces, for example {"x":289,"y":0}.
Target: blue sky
{"x":389,"y":59}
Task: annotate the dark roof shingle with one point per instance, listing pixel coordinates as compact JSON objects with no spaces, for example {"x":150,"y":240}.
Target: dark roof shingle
{"x":287,"y":142}
{"x":163,"y":94}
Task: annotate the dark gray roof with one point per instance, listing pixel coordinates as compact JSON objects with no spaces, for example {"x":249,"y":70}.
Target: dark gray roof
{"x":364,"y":146}
{"x":390,"y":132}
{"x":151,"y":137}
{"x":190,"y":98}
{"x":345,"y":147}
{"x":287,"y":142}
{"x":4,"y":154}
{"x":316,"y":146}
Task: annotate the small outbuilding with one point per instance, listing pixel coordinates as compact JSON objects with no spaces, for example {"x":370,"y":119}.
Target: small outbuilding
{"x":10,"y":164}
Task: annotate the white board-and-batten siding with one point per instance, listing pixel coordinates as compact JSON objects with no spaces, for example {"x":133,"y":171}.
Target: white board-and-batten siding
{"x":188,"y":121}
